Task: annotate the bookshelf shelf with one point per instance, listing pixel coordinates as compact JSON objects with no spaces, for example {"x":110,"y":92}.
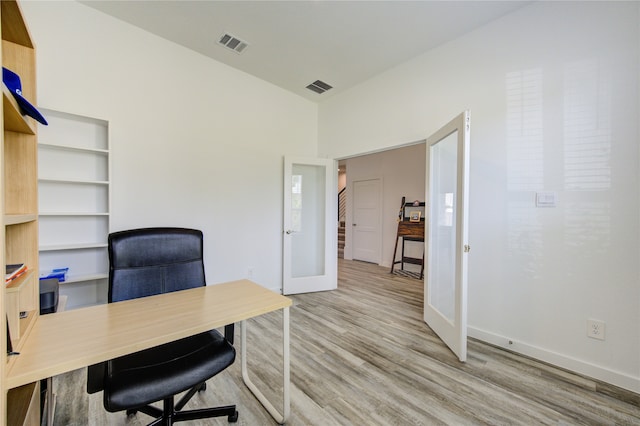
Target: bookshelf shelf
{"x":73,"y":148}
{"x":17,"y":219}
{"x":83,"y":246}
{"x":74,"y":214}
{"x":14,"y":121}
{"x":18,"y":284}
{"x":75,"y":181}
{"x":84,"y":278}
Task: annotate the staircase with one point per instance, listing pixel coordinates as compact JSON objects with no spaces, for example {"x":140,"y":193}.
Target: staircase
{"x":341,"y":229}
{"x":342,"y":207}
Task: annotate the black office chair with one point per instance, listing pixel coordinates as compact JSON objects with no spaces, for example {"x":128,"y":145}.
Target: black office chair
{"x":145,"y":262}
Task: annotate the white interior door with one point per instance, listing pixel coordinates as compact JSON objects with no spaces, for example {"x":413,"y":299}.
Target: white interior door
{"x":310,"y":244}
{"x":445,"y":301}
{"x":365,"y":226}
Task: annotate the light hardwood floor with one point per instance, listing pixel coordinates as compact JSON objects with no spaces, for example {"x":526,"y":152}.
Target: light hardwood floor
{"x":361,"y":355}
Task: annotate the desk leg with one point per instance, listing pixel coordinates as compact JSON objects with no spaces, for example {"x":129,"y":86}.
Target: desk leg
{"x":280,"y":418}
{"x":51,"y":401}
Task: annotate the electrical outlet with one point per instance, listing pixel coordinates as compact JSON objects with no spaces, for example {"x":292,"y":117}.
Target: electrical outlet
{"x":596,"y":329}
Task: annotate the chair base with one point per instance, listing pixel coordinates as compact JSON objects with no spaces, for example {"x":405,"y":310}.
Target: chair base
{"x":171,"y":414}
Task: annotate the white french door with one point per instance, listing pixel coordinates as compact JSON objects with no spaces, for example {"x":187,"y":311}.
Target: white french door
{"x":445,"y":301}
{"x":310,"y":244}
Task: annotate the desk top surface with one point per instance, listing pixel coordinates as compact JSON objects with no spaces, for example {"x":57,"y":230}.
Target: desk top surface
{"x":73,"y":339}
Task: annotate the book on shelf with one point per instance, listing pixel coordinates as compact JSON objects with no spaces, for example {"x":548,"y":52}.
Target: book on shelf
{"x":13,"y":271}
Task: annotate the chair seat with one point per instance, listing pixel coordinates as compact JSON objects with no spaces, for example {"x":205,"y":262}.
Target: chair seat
{"x":153,"y":374}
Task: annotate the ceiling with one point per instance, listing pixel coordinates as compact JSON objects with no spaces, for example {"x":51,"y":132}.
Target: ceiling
{"x":294,"y":43}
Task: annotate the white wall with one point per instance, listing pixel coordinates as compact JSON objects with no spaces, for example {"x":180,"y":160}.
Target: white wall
{"x":401,"y":172}
{"x":551,"y":88}
{"x":194,"y":142}
{"x":553,"y":93}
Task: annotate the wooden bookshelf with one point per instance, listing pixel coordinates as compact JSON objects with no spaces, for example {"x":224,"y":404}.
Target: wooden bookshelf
{"x":19,"y":212}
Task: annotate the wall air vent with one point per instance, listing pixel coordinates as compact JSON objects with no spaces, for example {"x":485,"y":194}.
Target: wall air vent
{"x":233,"y":43}
{"x":319,"y":86}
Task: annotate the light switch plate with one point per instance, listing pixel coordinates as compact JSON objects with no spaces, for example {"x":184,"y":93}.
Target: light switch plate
{"x":545,"y":199}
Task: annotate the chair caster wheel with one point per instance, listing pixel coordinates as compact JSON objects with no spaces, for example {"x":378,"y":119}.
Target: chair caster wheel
{"x":233,"y":418}
{"x":131,"y":412}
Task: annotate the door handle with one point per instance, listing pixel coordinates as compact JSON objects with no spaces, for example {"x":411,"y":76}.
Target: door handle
{"x":288,"y":232}
{"x":353,"y":224}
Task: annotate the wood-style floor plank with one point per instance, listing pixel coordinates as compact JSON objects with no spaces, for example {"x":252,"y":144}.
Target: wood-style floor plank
{"x":361,"y":355}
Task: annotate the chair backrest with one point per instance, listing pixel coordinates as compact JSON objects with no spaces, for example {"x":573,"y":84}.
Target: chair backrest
{"x":149,"y":261}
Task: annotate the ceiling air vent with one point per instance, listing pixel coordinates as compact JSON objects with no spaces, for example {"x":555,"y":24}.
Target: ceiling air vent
{"x":233,"y":43}
{"x":319,"y":86}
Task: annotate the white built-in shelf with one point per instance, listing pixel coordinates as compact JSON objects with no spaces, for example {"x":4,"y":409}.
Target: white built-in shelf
{"x":73,"y":214}
{"x":74,"y":200}
{"x":69,"y":279}
{"x":75,"y":181}
{"x":73,"y":148}
{"x":72,"y":246}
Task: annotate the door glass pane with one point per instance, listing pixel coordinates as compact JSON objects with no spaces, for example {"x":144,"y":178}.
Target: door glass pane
{"x":442,"y":235}
{"x":307,"y":220}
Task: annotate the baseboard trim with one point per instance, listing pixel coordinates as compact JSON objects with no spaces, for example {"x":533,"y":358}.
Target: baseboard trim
{"x":599,"y":373}
{"x":275,"y":289}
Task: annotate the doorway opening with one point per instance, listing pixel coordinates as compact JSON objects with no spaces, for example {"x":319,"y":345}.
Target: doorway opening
{"x":399,"y":172}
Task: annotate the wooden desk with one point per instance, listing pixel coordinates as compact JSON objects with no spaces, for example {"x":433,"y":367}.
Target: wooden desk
{"x":74,"y":339}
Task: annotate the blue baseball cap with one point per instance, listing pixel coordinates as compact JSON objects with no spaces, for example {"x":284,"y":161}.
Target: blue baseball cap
{"x":12,"y":81}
